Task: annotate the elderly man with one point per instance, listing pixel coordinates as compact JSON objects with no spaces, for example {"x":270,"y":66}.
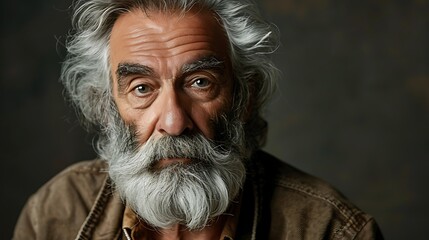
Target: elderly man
{"x":175,"y":90}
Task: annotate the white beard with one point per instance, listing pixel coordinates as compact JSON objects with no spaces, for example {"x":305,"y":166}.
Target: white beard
{"x":190,"y":194}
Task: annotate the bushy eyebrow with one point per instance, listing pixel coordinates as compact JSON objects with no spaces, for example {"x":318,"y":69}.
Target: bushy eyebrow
{"x":126,"y":69}
{"x":205,"y":63}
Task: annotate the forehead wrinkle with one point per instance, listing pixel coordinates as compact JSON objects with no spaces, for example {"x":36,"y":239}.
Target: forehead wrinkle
{"x":163,"y":54}
{"x":147,"y":41}
{"x":161,"y":46}
{"x":167,"y":33}
{"x":198,"y":45}
{"x":170,"y":40}
{"x":156,"y":46}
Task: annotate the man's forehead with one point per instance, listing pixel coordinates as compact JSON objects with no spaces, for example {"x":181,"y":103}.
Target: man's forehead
{"x":137,"y":22}
{"x":151,"y":37}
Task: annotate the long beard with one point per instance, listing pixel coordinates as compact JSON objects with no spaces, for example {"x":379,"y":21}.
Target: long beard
{"x":190,"y":194}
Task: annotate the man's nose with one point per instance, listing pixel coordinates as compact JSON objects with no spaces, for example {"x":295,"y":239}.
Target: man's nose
{"x":174,"y":119}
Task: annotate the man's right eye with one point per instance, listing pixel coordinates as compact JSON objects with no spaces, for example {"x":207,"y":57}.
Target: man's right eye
{"x":142,"y":90}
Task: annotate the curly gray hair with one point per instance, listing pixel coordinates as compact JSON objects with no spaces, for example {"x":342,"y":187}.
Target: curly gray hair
{"x":86,"y":75}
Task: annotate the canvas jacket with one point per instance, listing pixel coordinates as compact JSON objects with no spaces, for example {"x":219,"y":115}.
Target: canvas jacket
{"x":278,"y":202}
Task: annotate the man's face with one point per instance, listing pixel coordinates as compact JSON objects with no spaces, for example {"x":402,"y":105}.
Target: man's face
{"x":171,"y":73}
{"x":172,"y":85}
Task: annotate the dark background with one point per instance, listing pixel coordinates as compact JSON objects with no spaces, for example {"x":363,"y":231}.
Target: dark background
{"x":353,"y":104}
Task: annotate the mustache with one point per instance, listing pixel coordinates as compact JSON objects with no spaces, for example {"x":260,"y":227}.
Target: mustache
{"x":196,"y":147}
{"x":227,"y":131}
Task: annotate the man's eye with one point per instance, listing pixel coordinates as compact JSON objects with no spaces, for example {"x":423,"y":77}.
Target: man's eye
{"x":141,"y":90}
{"x":201,"y":83}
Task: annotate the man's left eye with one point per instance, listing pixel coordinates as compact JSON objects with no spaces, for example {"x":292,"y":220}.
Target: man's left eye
{"x":201,"y":83}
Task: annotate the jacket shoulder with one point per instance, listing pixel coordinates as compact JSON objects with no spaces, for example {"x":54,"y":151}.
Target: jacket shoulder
{"x":61,"y":205}
{"x":304,"y":206}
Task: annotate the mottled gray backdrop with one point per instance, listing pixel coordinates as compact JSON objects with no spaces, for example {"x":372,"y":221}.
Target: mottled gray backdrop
{"x":353,"y":104}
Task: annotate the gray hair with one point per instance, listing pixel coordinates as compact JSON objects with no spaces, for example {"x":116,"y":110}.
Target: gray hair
{"x":86,"y":75}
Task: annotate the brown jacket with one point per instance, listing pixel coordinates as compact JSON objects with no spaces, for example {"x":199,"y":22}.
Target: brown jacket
{"x":279,"y":202}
